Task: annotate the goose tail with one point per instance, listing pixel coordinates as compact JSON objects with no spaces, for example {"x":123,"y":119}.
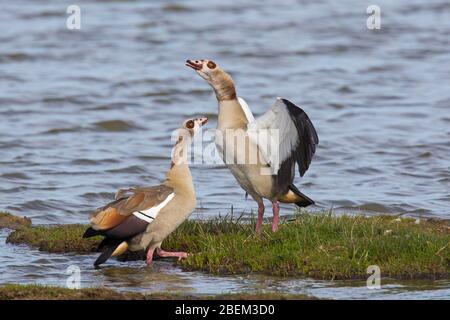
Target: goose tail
{"x":90,"y":232}
{"x":295,"y":196}
{"x":110,"y":247}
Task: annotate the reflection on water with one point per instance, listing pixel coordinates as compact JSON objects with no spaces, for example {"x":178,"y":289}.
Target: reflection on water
{"x":86,"y":112}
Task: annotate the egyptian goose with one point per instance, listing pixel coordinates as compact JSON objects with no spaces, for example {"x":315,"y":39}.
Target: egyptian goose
{"x":276,"y":141}
{"x":141,"y":218}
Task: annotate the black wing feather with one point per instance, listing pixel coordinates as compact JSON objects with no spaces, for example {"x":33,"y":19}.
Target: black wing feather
{"x":303,"y":152}
{"x":107,"y":246}
{"x":308,"y":138}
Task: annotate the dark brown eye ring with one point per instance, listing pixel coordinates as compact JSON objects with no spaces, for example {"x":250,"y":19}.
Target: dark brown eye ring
{"x":190,"y":124}
{"x":211,"y":64}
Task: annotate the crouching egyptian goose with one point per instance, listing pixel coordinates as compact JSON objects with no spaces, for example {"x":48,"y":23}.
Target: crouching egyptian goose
{"x":141,"y":218}
{"x":279,"y":139}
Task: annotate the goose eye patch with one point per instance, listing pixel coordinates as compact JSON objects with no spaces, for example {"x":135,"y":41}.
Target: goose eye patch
{"x":190,"y":124}
{"x":211,"y":64}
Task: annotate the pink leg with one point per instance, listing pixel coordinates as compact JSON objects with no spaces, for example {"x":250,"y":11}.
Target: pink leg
{"x":180,"y":255}
{"x":276,"y":215}
{"x":260,"y":217}
{"x":150,"y":256}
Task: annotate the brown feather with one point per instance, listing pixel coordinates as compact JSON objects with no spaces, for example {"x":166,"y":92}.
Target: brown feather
{"x":107,"y":219}
{"x":133,"y":202}
{"x":139,"y":199}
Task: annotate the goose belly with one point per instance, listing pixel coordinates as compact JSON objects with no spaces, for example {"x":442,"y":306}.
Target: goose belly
{"x":250,"y":176}
{"x":252,"y":181}
{"x":168,"y":219}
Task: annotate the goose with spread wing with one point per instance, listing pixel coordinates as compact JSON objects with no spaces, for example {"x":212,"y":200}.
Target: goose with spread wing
{"x":141,"y":218}
{"x":261,"y":153}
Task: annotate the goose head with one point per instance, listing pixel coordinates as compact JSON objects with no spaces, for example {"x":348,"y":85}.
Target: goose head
{"x":207,"y":69}
{"x":192,"y":126}
{"x":217,"y":78}
{"x":186,"y":133}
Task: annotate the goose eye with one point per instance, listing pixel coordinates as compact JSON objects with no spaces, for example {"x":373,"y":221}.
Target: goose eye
{"x":211,"y":64}
{"x":190,"y":124}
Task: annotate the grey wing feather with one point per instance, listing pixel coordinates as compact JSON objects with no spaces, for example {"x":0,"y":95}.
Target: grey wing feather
{"x":294,"y":135}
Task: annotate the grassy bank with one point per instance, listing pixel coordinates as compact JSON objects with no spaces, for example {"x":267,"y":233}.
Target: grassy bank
{"x":10,"y":221}
{"x":55,"y":238}
{"x":38,"y":292}
{"x":322,"y":246}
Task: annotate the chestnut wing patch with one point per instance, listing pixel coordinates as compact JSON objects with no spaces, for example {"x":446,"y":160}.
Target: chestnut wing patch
{"x":129,"y":201}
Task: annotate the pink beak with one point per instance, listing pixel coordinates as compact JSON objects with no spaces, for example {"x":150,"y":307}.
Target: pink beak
{"x":203,"y":120}
{"x":194,"y":64}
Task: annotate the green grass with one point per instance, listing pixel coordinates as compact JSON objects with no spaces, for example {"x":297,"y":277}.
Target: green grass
{"x":10,"y":221}
{"x":39,"y":292}
{"x":55,"y":238}
{"x":323,"y":246}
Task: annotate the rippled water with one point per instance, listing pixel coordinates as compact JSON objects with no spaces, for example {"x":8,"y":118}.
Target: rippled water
{"x":83,"y":113}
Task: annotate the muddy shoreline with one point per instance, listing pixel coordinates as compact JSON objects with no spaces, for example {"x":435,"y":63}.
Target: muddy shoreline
{"x":39,"y":292}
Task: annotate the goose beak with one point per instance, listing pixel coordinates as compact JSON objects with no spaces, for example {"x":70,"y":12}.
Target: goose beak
{"x":194,"y":64}
{"x":203,"y":121}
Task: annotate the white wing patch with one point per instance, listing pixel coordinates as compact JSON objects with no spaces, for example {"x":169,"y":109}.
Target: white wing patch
{"x":246,"y":109}
{"x":150,"y":214}
{"x":258,"y":137}
{"x":276,"y":135}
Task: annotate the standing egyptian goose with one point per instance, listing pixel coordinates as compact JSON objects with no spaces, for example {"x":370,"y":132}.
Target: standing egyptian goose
{"x":276,"y":141}
{"x":141,"y":218}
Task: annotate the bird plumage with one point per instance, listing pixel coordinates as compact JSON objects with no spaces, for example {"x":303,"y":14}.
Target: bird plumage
{"x":141,"y":218}
{"x":278,"y":141}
